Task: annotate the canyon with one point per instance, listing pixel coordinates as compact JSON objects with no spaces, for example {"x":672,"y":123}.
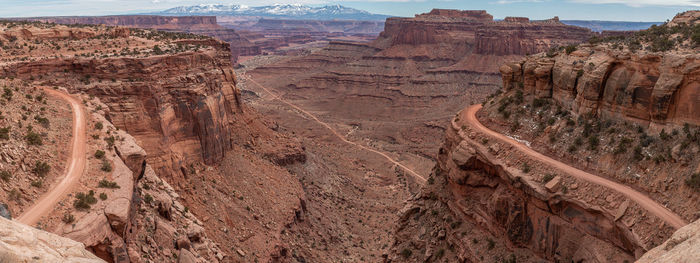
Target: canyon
{"x":330,"y":141}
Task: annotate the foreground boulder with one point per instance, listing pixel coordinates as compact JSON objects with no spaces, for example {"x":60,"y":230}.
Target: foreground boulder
{"x":22,"y":243}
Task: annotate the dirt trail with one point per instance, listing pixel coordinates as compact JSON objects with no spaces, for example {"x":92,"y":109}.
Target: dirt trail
{"x":75,"y":168}
{"x":415,"y":175}
{"x":644,"y":201}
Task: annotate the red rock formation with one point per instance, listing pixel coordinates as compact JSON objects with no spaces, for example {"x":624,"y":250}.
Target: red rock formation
{"x":653,"y":89}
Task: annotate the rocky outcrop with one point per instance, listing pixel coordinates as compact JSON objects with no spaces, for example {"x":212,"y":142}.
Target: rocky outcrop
{"x":681,"y":247}
{"x":22,"y":243}
{"x":616,"y":80}
{"x":655,"y":89}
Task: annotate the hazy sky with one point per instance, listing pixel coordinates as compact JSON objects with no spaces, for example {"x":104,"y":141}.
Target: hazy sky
{"x":625,"y":10}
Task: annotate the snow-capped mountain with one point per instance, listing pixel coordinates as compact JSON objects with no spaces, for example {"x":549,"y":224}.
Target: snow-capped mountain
{"x":288,"y":11}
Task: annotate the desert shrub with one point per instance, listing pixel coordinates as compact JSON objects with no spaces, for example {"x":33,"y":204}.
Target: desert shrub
{"x":570,"y":48}
{"x":110,"y":141}
{"x":148,"y":198}
{"x":622,"y":145}
{"x":106,"y":166}
{"x":43,"y":121}
{"x":693,"y":181}
{"x":638,"y":153}
{"x":41,"y":168}
{"x":68,"y":218}
{"x":99,"y":154}
{"x":518,"y":99}
{"x":526,"y":168}
{"x":37,"y":183}
{"x":5,"y":133}
{"x":593,"y":142}
{"x":406,"y":253}
{"x":5,"y":175}
{"x":662,"y":44}
{"x":108,"y":184}
{"x":7,"y":93}
{"x":98,"y":126}
{"x":490,"y":244}
{"x":83,"y":200}
{"x":33,"y":138}
{"x":103,"y":196}
{"x":547,"y":178}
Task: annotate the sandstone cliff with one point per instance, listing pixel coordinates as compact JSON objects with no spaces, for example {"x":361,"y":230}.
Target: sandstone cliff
{"x":618,"y":81}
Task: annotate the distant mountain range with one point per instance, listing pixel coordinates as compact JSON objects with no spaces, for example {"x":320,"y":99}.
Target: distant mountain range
{"x":598,"y":26}
{"x":339,"y":12}
{"x":283,"y":11}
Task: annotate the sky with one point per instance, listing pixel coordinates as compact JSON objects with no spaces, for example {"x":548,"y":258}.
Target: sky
{"x":616,"y":10}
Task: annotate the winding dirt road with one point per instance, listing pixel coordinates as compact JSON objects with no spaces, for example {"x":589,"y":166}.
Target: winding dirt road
{"x":75,"y":168}
{"x":644,"y":201}
{"x":415,"y":175}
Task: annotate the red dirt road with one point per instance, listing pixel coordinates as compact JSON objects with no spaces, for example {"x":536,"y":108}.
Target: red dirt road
{"x":644,"y":201}
{"x":415,"y":175}
{"x":75,"y":168}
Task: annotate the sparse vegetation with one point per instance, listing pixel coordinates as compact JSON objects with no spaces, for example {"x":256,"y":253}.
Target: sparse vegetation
{"x":99,"y":154}
{"x":693,"y":181}
{"x":41,"y":168}
{"x":547,"y":178}
{"x":68,"y":218}
{"x":83,"y":201}
{"x":106,"y":166}
{"x":104,"y":183}
{"x":33,"y":138}
{"x":103,"y":196}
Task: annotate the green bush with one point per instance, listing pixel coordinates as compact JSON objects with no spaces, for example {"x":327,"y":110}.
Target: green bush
{"x":547,"y":178}
{"x":490,"y":244}
{"x":33,"y":138}
{"x":43,"y":121}
{"x":526,"y":168}
{"x":570,"y":48}
{"x":5,"y":133}
{"x":83,"y":201}
{"x":98,"y":126}
{"x":37,"y":183}
{"x":5,"y":175}
{"x":148,"y":198}
{"x":99,"y":154}
{"x":108,"y":184}
{"x":41,"y":168}
{"x":103,"y":196}
{"x":68,"y":218}
{"x":106,"y":166}
{"x":693,"y":181}
{"x":7,"y":93}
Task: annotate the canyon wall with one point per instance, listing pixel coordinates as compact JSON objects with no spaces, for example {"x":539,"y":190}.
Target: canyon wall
{"x":654,"y":89}
{"x":176,"y":95}
{"x":416,"y":71}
